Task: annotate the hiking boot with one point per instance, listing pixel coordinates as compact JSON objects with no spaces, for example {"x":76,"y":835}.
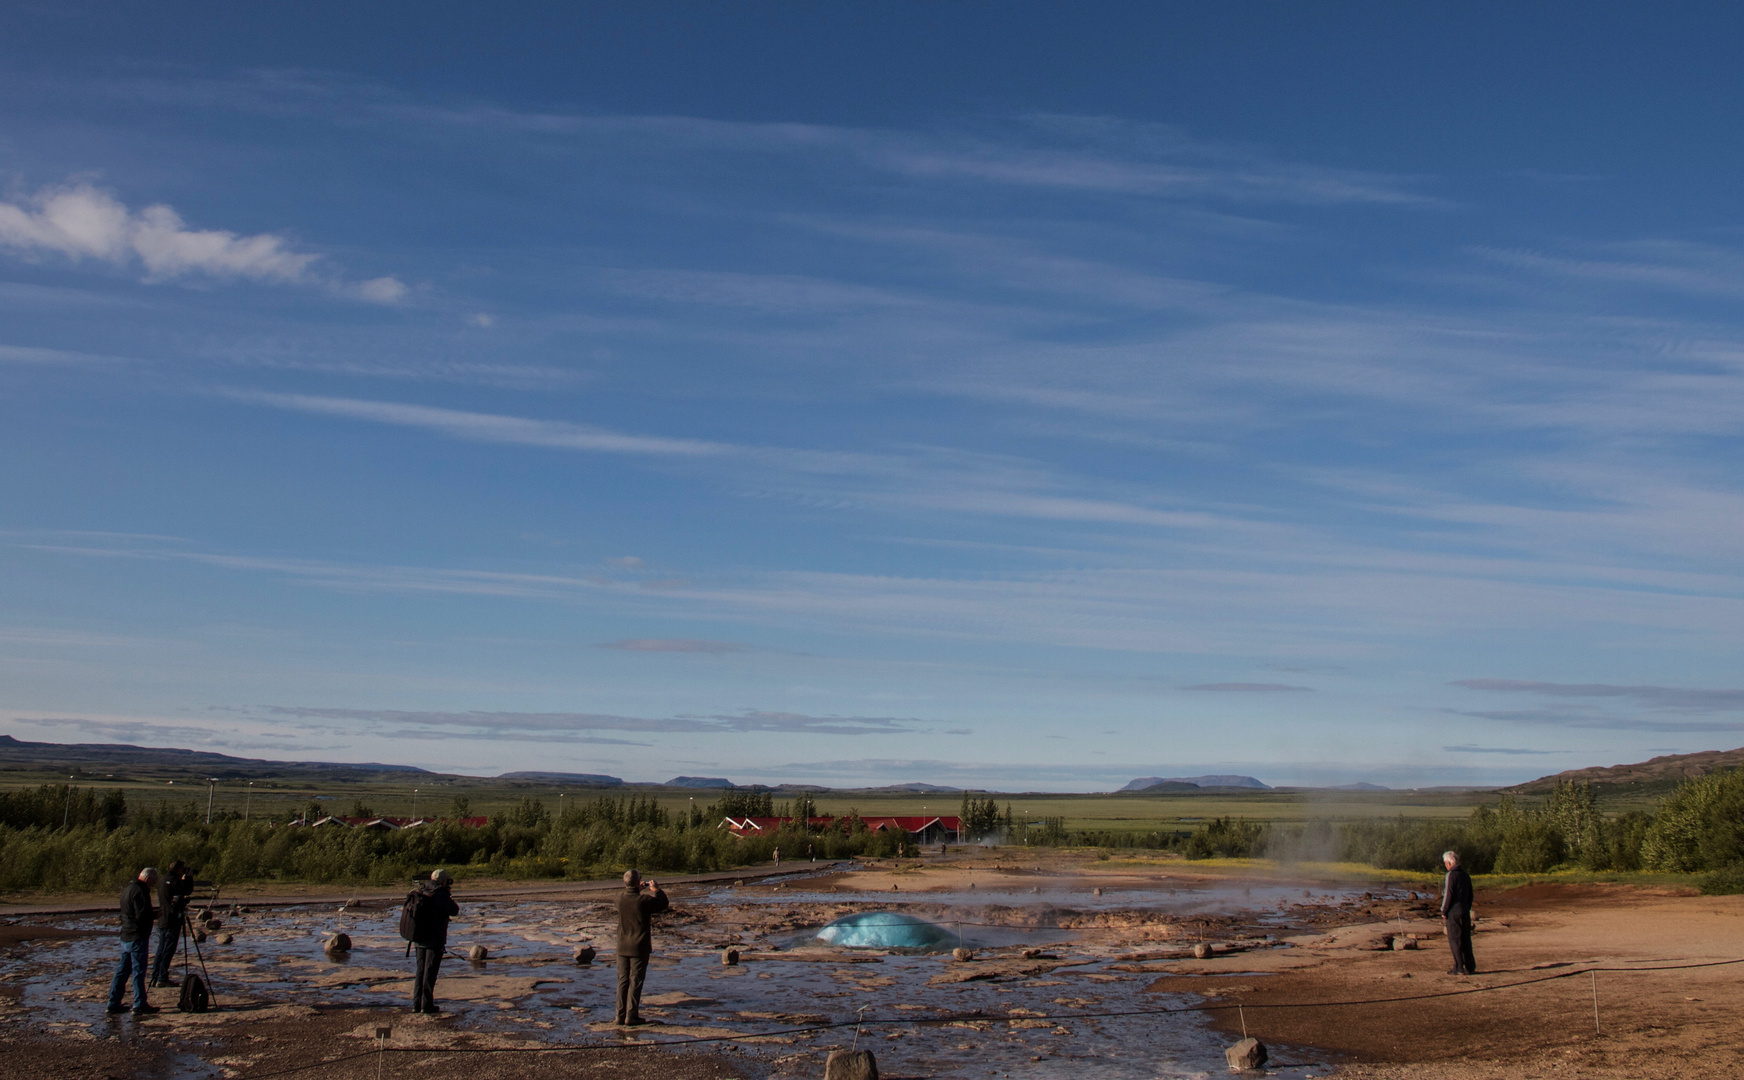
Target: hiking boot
{"x":144,"y":1010}
{"x":115,"y":1010}
{"x":432,"y":1010}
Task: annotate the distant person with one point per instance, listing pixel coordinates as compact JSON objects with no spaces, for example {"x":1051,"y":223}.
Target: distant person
{"x":435,"y":906}
{"x":136,"y":919}
{"x":777,"y":854}
{"x":1456,"y":905}
{"x":173,"y":891}
{"x":637,"y":904}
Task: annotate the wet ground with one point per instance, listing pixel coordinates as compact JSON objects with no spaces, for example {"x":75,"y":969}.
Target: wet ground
{"x":1048,"y":964}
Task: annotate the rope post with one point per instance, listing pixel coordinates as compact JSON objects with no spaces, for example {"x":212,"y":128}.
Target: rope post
{"x":859,"y":1018}
{"x":1241,"y":1012}
{"x":1595,"y":974}
{"x":381,"y":1047}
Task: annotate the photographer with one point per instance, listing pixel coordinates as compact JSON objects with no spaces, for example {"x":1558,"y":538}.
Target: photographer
{"x":637,"y":904}
{"x":173,"y":890}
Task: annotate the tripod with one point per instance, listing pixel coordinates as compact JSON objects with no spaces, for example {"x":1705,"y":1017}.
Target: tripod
{"x":188,"y":933}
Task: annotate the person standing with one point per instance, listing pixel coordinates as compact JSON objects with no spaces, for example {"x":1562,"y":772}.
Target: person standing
{"x":1456,"y":906}
{"x":136,"y":920}
{"x":637,"y":904}
{"x":173,"y":890}
{"x":430,"y":937}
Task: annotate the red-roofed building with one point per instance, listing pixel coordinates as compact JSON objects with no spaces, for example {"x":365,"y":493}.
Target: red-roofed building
{"x":923,"y":830}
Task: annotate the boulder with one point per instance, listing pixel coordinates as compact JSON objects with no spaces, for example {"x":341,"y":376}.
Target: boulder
{"x":1246,"y":1054}
{"x":211,"y":922}
{"x":963,"y":955}
{"x":338,"y":943}
{"x":1097,"y":891}
{"x":225,"y":939}
{"x":729,"y":957}
{"x":584,"y":954}
{"x":199,"y":934}
{"x":850,"y":1065}
{"x":1201,"y":950}
{"x":478,"y":954}
{"x":1401,"y":942}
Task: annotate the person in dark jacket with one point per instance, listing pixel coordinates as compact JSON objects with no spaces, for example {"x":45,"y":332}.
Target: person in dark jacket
{"x":173,"y":891}
{"x":430,"y":938}
{"x":637,"y":904}
{"x":1456,"y":906}
{"x":136,"y":919}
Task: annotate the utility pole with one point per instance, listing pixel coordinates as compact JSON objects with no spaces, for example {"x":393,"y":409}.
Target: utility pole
{"x":211,"y":789}
{"x":247,"y":803}
{"x":67,"y":811}
{"x":414,"y":804}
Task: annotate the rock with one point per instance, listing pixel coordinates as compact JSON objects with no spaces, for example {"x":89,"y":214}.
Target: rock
{"x":850,"y":1065}
{"x":729,"y":957}
{"x":963,"y":955}
{"x":478,"y":954}
{"x":338,"y":943}
{"x":1246,"y":1054}
{"x":738,"y":883}
{"x":199,"y":934}
{"x":1201,"y":951}
{"x":1402,"y":942}
{"x":584,"y":954}
{"x":225,"y":939}
{"x":1097,"y":891}
{"x":212,"y":923}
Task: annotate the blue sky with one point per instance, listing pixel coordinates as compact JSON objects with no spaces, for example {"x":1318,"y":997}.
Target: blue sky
{"x":1027,"y":396}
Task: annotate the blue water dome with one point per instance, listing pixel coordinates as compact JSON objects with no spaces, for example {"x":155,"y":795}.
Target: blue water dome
{"x":885,"y":930}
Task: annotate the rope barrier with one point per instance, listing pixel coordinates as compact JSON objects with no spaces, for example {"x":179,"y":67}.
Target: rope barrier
{"x":956,"y":1018}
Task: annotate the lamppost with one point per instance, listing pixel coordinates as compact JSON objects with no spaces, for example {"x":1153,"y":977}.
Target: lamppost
{"x":211,"y":789}
{"x":247,"y":803}
{"x":67,"y":811}
{"x":414,"y":804}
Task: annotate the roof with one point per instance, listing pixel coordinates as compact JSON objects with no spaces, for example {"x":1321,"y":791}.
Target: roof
{"x":750,"y":826}
{"x":391,"y":822}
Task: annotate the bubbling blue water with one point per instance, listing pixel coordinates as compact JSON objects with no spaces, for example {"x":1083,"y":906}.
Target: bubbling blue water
{"x":885,"y":930}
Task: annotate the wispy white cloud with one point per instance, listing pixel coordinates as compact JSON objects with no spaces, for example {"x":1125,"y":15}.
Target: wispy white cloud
{"x":80,"y":221}
{"x":675,"y":645}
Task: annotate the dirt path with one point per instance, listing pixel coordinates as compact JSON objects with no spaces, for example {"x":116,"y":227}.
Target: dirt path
{"x":1653,"y":1021}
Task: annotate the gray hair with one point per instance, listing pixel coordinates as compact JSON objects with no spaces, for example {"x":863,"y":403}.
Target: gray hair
{"x":149,"y":874}
{"x":1450,"y":857}
{"x":632,"y":877}
{"x":441,"y":877}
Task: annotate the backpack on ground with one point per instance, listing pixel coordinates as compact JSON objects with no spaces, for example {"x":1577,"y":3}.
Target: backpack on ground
{"x":409,"y":913}
{"x":195,"y":997}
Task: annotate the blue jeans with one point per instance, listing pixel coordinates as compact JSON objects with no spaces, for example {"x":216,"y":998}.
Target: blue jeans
{"x":165,"y":954}
{"x":132,"y":963}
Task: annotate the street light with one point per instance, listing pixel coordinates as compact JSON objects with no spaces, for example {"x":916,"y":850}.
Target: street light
{"x":67,"y":811}
{"x":211,"y":789}
{"x":248,"y":803}
{"x":414,"y":804}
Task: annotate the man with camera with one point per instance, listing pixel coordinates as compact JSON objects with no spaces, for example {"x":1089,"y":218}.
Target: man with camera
{"x":637,"y":904}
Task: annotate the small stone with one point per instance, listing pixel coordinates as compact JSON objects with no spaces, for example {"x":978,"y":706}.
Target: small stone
{"x":338,"y":943}
{"x":963,"y":955}
{"x":729,"y":957}
{"x":738,"y":883}
{"x":1097,"y":890}
{"x":584,"y":954}
{"x":850,"y":1065}
{"x":1402,"y":943}
{"x":212,"y":922}
{"x":1246,"y":1054}
{"x":1201,"y":951}
{"x":478,"y":954}
{"x":199,"y":934}
{"x":225,"y":939}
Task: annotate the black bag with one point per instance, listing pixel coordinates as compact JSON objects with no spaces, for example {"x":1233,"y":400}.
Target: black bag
{"x":195,"y":997}
{"x":409,"y":914}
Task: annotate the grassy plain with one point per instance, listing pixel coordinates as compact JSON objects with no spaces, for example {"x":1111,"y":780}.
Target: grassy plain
{"x":434,"y":795}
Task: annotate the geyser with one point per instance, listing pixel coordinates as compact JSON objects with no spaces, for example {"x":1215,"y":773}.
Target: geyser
{"x":885,"y":930}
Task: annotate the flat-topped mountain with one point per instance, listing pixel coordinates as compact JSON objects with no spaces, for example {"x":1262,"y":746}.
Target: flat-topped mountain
{"x":19,"y":754}
{"x":1190,"y":783}
{"x":584,"y":779}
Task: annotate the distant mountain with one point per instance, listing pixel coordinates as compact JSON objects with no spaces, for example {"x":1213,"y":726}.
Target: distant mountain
{"x":1653,"y":774}
{"x":1154,"y":783}
{"x":1359,"y":786}
{"x":17,"y":754}
{"x":917,"y":788}
{"x":584,"y":779}
{"x":699,"y":782}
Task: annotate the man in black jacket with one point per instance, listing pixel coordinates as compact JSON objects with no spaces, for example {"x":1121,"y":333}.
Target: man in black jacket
{"x":637,"y":903}
{"x":136,"y":919}
{"x":172,"y":903}
{"x":430,"y":937}
{"x":1456,"y":905}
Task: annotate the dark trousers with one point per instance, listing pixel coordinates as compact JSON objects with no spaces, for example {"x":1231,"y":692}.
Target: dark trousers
{"x":631,"y":971}
{"x":132,"y":966}
{"x":167,"y":938}
{"x":1459,"y":931}
{"x":424,"y":982}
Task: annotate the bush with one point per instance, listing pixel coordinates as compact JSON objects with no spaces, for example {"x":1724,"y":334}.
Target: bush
{"x":1726,"y":881}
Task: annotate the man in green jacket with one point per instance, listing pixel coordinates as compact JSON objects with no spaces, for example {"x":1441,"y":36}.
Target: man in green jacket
{"x":637,"y":903}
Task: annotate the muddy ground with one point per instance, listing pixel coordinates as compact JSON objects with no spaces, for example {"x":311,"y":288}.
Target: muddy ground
{"x":1099,"y":939}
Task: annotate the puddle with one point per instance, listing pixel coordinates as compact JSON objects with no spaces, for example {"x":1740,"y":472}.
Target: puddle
{"x":1035,"y":1017}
